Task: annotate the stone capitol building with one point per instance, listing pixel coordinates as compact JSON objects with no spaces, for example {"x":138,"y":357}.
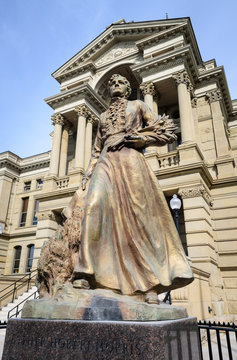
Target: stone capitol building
{"x":161,"y":59}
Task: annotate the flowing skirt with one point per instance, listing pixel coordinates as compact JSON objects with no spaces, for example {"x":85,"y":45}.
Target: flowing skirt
{"x":129,"y":241}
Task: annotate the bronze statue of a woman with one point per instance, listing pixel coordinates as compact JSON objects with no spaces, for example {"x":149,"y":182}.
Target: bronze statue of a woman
{"x":128,"y":240}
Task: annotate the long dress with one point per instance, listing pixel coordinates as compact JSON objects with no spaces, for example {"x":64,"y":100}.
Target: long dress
{"x":128,"y":239}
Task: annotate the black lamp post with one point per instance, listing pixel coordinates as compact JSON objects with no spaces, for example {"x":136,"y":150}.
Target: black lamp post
{"x":175,"y":204}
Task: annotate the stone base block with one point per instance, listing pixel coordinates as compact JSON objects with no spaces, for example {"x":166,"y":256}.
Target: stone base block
{"x":101,"y":340}
{"x":98,"y":305}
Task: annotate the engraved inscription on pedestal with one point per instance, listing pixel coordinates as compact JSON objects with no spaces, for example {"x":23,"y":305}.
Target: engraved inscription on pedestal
{"x":107,"y":340}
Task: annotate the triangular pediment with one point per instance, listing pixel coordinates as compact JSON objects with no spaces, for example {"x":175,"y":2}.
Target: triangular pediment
{"x":116,"y":41}
{"x":116,"y":52}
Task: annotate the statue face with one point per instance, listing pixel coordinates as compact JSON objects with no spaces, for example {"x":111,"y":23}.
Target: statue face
{"x":118,"y":87}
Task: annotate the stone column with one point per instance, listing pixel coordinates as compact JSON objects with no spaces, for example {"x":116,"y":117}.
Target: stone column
{"x":224,"y":160}
{"x":55,"y":152}
{"x":156,"y":98}
{"x":214,"y":97}
{"x":81,"y":136}
{"x":194,"y":103}
{"x":88,"y":144}
{"x":148,"y":90}
{"x":185,"y":109}
{"x":64,"y":148}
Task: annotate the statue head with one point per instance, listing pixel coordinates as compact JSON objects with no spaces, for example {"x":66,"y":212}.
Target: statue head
{"x":119,"y":86}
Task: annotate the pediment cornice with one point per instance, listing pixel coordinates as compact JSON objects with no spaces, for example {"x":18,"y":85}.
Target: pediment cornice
{"x":84,"y":91}
{"x":113,"y":34}
{"x":218,"y":74}
{"x":184,"y":29}
{"x":19,"y":166}
{"x":180,"y":55}
{"x":76,"y":70}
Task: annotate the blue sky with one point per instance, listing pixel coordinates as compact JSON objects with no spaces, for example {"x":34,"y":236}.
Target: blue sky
{"x":38,"y":36}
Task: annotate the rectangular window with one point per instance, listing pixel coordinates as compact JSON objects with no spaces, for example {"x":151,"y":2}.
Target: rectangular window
{"x":27,"y":186}
{"x":25,"y":202}
{"x":36,"y":208}
{"x":39,"y":184}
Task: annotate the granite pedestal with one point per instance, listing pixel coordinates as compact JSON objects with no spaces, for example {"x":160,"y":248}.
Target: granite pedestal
{"x":101,"y":340}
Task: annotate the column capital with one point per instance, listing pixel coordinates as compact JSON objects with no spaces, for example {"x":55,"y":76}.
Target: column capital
{"x":196,"y":191}
{"x":194,"y":102}
{"x":148,"y":88}
{"x":93,"y":119}
{"x":57,"y":118}
{"x":82,"y":110}
{"x":181,"y":77}
{"x":214,"y":95}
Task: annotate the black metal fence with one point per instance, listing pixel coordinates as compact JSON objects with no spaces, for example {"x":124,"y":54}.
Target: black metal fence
{"x":212,"y":333}
{"x":10,"y":292}
{"x":14,"y":312}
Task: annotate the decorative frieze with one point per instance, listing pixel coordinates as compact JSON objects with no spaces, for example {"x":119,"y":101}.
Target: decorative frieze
{"x":214,"y":95}
{"x":196,"y":191}
{"x":116,"y":52}
{"x":57,"y":118}
{"x":182,"y":77}
{"x":148,"y":88}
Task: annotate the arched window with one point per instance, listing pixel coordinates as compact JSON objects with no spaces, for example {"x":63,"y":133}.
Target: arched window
{"x":30,"y":257}
{"x":17,"y":258}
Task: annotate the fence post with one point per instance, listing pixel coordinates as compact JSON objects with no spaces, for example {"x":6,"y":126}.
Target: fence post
{"x":28,"y":283}
{"x":209,"y":343}
{"x":229,"y":345}
{"x":14,"y":290}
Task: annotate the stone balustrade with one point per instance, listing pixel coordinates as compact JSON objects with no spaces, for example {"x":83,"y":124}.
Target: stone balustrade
{"x":62,"y":183}
{"x":168,"y":160}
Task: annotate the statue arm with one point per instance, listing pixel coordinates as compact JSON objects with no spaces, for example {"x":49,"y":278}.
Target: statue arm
{"x":157,"y":130}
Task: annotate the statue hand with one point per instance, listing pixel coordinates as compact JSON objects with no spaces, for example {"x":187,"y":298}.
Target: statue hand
{"x":136,"y":141}
{"x":117,"y":145}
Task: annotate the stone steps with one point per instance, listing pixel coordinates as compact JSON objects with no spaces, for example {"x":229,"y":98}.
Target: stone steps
{"x":11,"y":305}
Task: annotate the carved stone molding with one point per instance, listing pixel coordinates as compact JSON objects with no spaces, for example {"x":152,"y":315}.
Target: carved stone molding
{"x":182,"y":77}
{"x":93,"y":119}
{"x":46,"y":215}
{"x":214,"y":95}
{"x":196,"y":191}
{"x":116,"y":52}
{"x":57,"y":119}
{"x":148,"y":88}
{"x":81,"y":110}
{"x":194,"y":102}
